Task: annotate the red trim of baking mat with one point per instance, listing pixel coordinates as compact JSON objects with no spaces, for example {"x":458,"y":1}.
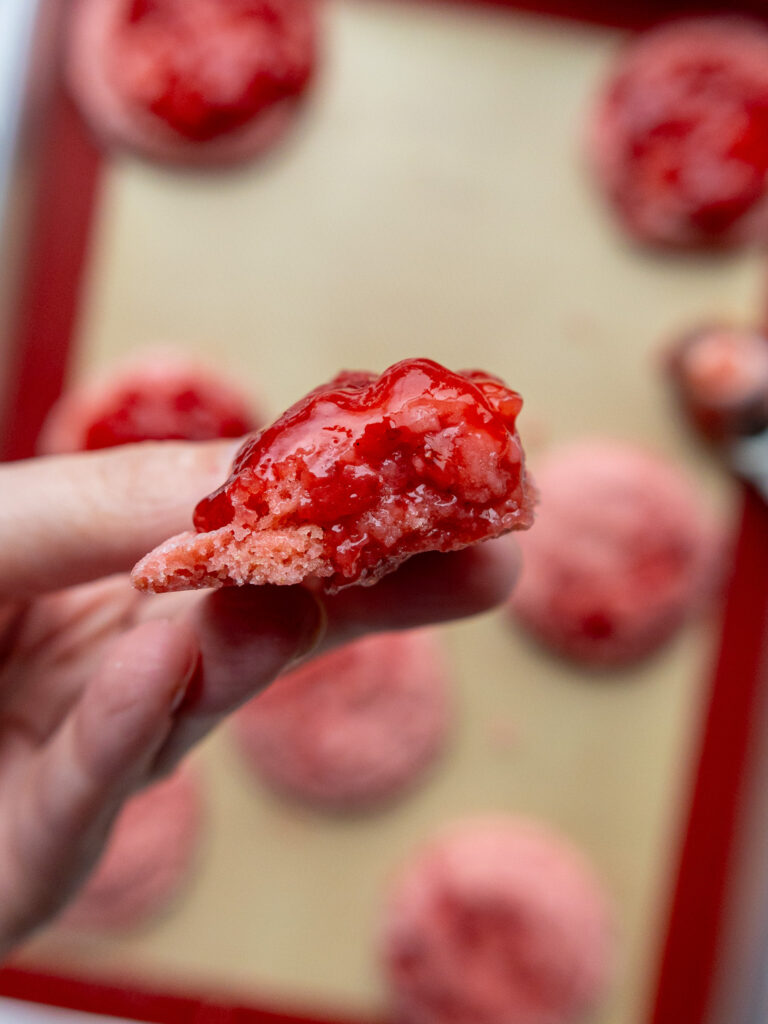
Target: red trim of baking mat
{"x":42,"y":342}
{"x":43,"y":325}
{"x":139,"y":1003}
{"x":706,"y":859}
{"x":631,"y":14}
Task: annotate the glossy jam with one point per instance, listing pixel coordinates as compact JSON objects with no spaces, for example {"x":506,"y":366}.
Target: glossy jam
{"x":207,"y":67}
{"x":688,"y":117}
{"x":165,"y":413}
{"x":422,"y":454}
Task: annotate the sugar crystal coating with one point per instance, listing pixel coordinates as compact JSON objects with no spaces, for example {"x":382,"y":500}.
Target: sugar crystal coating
{"x":497,"y":921}
{"x":622,"y":554}
{"x":352,"y":728}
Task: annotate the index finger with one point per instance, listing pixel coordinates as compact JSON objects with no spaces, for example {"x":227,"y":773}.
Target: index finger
{"x":68,"y":519}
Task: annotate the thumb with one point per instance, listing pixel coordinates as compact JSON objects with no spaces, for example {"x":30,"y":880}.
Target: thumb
{"x":69,"y":795}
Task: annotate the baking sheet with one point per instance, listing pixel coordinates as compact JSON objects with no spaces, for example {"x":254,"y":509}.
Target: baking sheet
{"x":432,"y":203}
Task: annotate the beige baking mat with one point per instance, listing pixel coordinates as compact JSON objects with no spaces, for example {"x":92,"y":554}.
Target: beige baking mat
{"x":433,"y":203}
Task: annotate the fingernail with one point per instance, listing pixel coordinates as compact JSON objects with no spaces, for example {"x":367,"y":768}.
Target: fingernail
{"x":190,"y":688}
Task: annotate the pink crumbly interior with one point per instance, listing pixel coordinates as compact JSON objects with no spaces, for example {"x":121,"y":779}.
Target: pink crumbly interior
{"x":236,"y":555}
{"x":353,"y":481}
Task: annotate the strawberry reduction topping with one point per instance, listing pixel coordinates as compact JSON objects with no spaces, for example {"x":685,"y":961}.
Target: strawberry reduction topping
{"x":681,"y":132}
{"x":183,"y":414}
{"x":207,"y":67}
{"x":418,"y":459}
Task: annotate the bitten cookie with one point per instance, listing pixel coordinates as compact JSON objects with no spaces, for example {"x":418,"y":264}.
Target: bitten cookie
{"x":354,"y":479}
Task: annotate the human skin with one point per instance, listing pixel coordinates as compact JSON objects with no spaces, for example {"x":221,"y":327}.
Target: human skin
{"x":103,"y":690}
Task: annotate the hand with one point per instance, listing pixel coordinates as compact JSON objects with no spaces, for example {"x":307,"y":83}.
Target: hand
{"x":102,"y":690}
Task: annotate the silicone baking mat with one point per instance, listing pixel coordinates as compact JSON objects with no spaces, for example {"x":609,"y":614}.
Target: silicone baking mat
{"x":433,"y":202}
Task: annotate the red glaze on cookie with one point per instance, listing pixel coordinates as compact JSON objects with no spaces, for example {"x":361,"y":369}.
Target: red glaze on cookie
{"x":679,"y":136}
{"x":622,"y":554}
{"x":720,"y":375}
{"x":197,"y":81}
{"x":358,"y":476}
{"x":497,"y":921}
{"x":353,"y":728}
{"x":160,"y":396}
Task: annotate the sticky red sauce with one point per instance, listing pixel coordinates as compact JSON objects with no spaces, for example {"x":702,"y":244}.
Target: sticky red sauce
{"x":418,"y":451}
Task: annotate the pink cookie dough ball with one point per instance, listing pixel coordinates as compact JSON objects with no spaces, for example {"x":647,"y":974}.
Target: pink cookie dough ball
{"x":720,"y":375}
{"x":497,"y":921}
{"x":160,"y":395}
{"x":352,"y":728}
{"x":621,"y":553}
{"x":196,"y":82}
{"x":147,"y":860}
{"x":678,"y":138}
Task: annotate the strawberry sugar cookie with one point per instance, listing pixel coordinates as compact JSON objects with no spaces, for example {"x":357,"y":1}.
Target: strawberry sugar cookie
{"x":197,"y":82}
{"x":147,"y":859}
{"x":679,"y":136}
{"x":621,"y":555}
{"x":720,"y":376}
{"x":354,"y":479}
{"x":497,"y":921}
{"x":353,"y":728}
{"x":159,"y":396}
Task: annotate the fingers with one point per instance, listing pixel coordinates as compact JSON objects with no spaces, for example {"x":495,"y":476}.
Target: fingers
{"x":249,"y":635}
{"x":426,"y":590}
{"x":72,"y":518}
{"x":55,"y":648}
{"x":102,"y":751}
{"x":11,"y":619}
{"x":122,"y":717}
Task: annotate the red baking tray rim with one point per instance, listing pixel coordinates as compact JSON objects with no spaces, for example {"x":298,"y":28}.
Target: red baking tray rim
{"x":705,"y":870}
{"x":41,"y":348}
{"x":45,"y":316}
{"x":630,"y":14}
{"x":139,"y":1002}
